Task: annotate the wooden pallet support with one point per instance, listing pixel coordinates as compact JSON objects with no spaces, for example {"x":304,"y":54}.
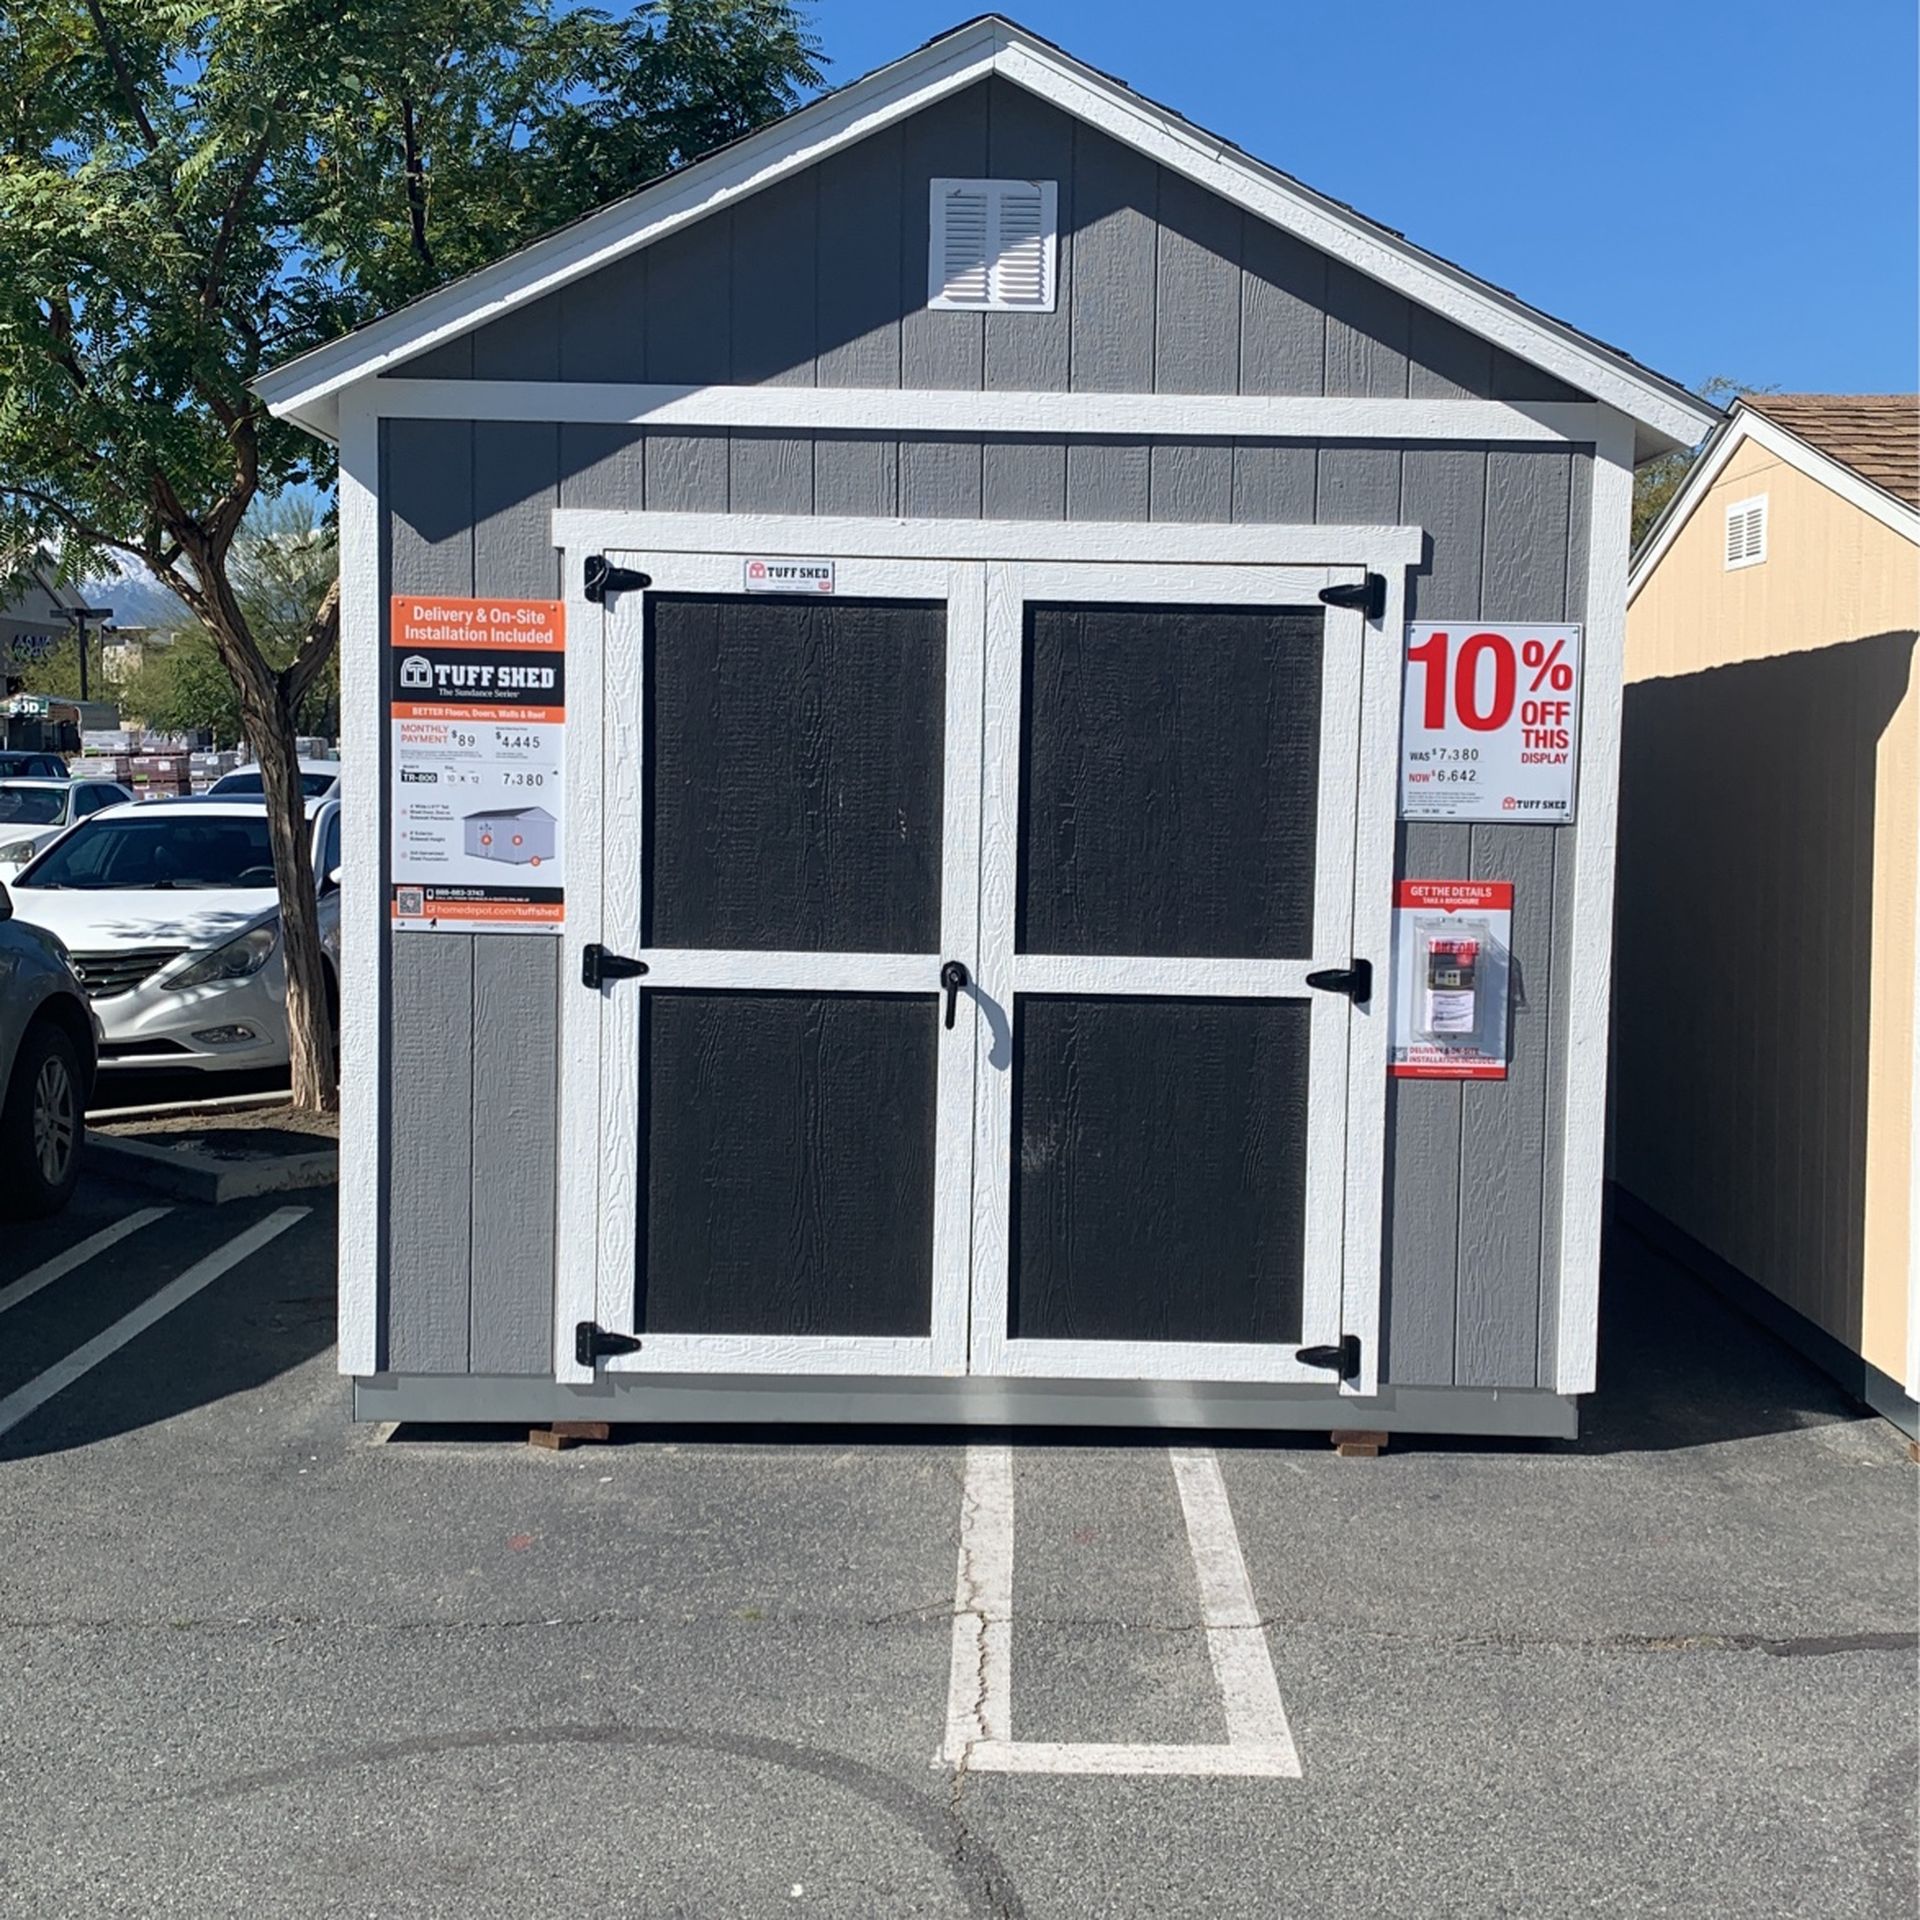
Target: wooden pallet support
{"x":1358,"y":1443}
{"x":563,"y":1434}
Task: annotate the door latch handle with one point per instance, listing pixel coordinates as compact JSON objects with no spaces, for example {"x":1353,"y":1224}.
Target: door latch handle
{"x":953,"y":976}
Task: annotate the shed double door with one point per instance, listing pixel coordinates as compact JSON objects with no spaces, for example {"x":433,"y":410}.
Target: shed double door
{"x":974,"y":905}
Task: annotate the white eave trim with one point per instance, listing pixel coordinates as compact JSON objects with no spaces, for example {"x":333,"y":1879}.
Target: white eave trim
{"x":905,"y":410}
{"x":1745,"y":425}
{"x":306,"y":390}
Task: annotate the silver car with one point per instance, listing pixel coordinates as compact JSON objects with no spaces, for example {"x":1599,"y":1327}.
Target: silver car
{"x":48,"y":1051}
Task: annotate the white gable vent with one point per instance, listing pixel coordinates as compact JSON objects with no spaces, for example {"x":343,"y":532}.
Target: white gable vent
{"x":991,"y":245}
{"x":1747,"y":532}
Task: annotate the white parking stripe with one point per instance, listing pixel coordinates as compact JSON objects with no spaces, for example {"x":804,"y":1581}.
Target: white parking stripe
{"x":1249,"y":1688}
{"x":980,"y":1678}
{"x":980,"y":1682}
{"x":63,"y":1373}
{"x":77,"y":1256}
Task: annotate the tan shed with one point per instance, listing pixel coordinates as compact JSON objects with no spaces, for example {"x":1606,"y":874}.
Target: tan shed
{"x":1767,"y":969}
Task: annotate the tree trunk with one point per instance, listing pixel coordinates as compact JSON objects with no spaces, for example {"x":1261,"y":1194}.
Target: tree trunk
{"x":269,"y":722}
{"x":309,"y":1030}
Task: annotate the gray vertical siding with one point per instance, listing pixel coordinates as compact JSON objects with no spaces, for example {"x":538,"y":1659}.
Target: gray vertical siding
{"x":822,"y":281}
{"x":1163,"y":287}
{"x":473,"y":1080}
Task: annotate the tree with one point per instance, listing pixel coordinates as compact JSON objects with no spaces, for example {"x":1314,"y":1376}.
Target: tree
{"x":1655,"y":484}
{"x":193,"y":191}
{"x":283,"y":563}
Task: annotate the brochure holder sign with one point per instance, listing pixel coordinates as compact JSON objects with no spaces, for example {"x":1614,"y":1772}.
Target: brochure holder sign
{"x":1452,"y":962}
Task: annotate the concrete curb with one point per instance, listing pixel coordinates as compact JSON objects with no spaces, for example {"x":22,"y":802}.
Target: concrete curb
{"x":199,"y":1176}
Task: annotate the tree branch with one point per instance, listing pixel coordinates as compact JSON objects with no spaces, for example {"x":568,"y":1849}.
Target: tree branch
{"x":129,"y":92}
{"x":160,"y":565}
{"x":230,"y":213}
{"x":416,"y":184}
{"x":322,"y":635}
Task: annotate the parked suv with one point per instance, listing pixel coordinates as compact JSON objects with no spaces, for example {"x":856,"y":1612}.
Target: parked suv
{"x":47,"y":1056}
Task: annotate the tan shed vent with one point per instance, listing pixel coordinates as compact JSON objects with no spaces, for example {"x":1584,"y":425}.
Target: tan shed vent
{"x":991,"y":245}
{"x":1747,"y":532}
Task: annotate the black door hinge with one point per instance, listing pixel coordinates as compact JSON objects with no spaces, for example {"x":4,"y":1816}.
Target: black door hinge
{"x":1356,"y":981}
{"x":1343,"y":1359}
{"x":592,"y":1343}
{"x":597,"y":964}
{"x":603,"y":578}
{"x":1369,"y":595}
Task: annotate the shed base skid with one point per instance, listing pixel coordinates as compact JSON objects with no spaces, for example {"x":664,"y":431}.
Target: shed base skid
{"x":1500,"y":1413}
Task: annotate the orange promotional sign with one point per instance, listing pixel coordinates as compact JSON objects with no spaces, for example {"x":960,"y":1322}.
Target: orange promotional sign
{"x":477,"y":705}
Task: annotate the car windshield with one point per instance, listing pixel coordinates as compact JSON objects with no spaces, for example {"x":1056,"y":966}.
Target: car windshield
{"x":40,"y":765}
{"x":313,"y":785}
{"x":167,"y":849}
{"x":32,"y":806}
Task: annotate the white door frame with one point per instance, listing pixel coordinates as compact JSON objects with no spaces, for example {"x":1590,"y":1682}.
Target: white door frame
{"x":603,"y":776}
{"x":1005,"y":974}
{"x":617,"y":812}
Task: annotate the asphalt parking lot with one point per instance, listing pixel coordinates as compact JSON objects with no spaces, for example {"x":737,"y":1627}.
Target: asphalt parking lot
{"x":256,"y":1661}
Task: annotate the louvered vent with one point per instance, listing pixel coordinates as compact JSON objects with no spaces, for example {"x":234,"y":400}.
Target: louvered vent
{"x":991,"y":245}
{"x":1747,"y":532}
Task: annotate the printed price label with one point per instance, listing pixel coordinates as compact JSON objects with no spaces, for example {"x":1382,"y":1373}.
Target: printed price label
{"x":1490,"y":723}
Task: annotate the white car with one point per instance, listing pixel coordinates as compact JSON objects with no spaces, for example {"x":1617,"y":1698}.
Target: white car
{"x":34,"y":813}
{"x":169,"y":912}
{"x":319,"y":780}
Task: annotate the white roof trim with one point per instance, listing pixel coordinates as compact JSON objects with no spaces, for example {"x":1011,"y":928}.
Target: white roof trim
{"x":305,"y":390}
{"x":1747,"y":424}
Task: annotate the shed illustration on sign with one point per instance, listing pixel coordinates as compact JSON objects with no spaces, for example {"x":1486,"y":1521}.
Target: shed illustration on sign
{"x":521,"y":836}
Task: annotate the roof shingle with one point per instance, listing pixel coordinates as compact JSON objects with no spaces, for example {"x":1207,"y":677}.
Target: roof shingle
{"x":1876,"y":434}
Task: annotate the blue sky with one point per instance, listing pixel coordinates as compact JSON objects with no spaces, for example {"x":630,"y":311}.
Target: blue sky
{"x":1721,"y":190}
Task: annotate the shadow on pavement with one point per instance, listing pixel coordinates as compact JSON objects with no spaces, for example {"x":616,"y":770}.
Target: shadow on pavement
{"x":271,"y":1312}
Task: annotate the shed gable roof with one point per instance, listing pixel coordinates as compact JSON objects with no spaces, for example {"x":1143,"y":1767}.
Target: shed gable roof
{"x":1881,"y":433}
{"x":1876,"y":434}
{"x":306,"y":389}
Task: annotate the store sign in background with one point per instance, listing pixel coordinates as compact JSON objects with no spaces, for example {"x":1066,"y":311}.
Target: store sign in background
{"x":477,"y":704}
{"x":1490,"y":722}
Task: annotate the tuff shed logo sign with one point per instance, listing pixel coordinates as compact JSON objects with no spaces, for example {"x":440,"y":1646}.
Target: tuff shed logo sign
{"x":789,"y":576}
{"x":477,"y":705}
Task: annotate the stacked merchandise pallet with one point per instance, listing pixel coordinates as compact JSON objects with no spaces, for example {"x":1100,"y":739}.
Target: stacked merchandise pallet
{"x":206,"y":766}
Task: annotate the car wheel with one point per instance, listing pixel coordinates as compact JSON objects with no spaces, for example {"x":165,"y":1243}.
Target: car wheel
{"x":41,"y":1123}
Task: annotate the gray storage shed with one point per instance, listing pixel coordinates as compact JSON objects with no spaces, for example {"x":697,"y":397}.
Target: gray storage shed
{"x":984,"y":514}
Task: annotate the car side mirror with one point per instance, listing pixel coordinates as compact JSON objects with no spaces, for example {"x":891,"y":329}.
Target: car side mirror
{"x":332,"y":882}
{"x":6,"y":904}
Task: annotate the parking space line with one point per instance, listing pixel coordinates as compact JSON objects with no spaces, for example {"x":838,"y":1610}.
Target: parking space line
{"x":63,"y":1373}
{"x":979,"y":1733}
{"x":77,"y":1256}
{"x":1236,"y":1639}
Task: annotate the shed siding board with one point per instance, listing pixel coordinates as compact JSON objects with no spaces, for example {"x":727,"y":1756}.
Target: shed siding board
{"x":1160,"y":289}
{"x":1115,"y":245}
{"x":1503,"y":1124}
{"x":946,"y":141}
{"x":430,"y":477}
{"x":515,"y":1016}
{"x":859,"y":281}
{"x":1029,"y":140}
{"x":775,"y":256}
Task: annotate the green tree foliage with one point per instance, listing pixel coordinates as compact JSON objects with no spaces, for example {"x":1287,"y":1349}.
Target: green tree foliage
{"x":194,"y":190}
